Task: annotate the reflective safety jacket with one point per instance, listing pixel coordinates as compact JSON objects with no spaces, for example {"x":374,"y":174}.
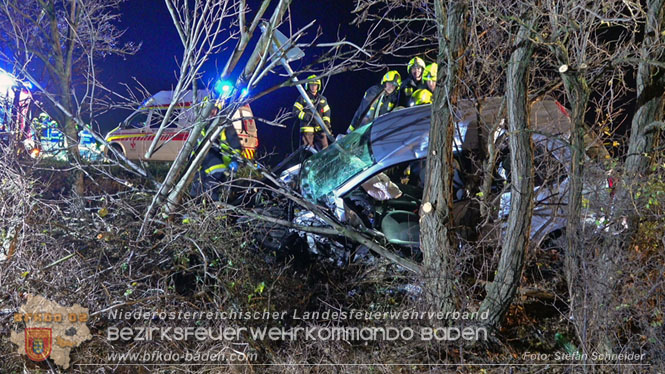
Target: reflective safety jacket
{"x":307,"y":121}
{"x":409,"y":86}
{"x":374,"y":104}
{"x":44,"y":121}
{"x":218,"y":160}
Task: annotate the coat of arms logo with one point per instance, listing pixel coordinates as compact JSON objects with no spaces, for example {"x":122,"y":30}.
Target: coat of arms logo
{"x":38,"y":343}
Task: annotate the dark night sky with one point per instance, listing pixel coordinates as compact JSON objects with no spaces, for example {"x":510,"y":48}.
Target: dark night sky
{"x":148,"y":21}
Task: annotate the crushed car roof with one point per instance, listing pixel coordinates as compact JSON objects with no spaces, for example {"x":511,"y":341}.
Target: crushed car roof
{"x":403,"y":135}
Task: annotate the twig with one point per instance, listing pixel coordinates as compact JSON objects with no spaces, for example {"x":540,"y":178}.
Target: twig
{"x":56,"y":262}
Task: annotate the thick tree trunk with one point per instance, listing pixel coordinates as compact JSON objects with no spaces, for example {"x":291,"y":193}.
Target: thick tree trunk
{"x":501,"y":291}
{"x":578,"y":95}
{"x":647,"y":119}
{"x":577,"y":92}
{"x":650,"y":90}
{"x":437,"y":242}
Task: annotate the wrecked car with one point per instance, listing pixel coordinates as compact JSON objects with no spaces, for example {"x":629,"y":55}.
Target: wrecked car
{"x":374,"y":177}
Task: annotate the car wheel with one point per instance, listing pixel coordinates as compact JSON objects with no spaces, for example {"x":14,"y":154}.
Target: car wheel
{"x":112,"y":155}
{"x":554,"y":241}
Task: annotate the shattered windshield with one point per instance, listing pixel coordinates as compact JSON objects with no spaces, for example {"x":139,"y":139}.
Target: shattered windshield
{"x":330,"y":168}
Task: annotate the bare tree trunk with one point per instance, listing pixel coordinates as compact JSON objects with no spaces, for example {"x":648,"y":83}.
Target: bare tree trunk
{"x":245,"y":36}
{"x":501,"y":291}
{"x":650,"y":90}
{"x":577,"y":92}
{"x":181,"y":171}
{"x":647,"y":119}
{"x":489,"y":163}
{"x":578,"y":95}
{"x":182,"y":181}
{"x":437,"y":243}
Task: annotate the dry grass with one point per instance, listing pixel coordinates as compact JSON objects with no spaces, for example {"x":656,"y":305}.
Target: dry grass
{"x":203,"y":261}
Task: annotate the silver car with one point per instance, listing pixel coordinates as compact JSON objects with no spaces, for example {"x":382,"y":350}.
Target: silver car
{"x":374,"y":176}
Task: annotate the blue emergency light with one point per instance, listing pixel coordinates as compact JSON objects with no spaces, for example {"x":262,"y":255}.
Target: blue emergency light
{"x":223,"y":87}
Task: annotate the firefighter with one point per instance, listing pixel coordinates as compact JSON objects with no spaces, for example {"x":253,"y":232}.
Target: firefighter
{"x":42,"y":122}
{"x":420,"y":97}
{"x":424,"y":95}
{"x":378,"y":100}
{"x":311,"y":132}
{"x":88,"y":145}
{"x":221,"y":160}
{"x":415,"y":69}
{"x":51,"y":139}
{"x":429,"y":76}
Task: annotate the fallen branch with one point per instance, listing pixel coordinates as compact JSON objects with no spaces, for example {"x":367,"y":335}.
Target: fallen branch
{"x":336,"y":228}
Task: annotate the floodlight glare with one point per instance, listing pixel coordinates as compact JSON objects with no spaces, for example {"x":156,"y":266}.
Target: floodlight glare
{"x":7,"y":81}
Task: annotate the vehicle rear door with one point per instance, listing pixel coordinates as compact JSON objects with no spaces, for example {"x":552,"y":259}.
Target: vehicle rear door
{"x":243,"y":122}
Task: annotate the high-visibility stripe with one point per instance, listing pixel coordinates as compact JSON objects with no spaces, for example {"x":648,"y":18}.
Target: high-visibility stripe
{"x":326,"y":108}
{"x":248,"y":154}
{"x":128,"y":136}
{"x":326,"y":119}
{"x":215,"y":168}
{"x":299,"y":106}
{"x":307,"y":129}
{"x":301,"y":115}
{"x":143,"y":137}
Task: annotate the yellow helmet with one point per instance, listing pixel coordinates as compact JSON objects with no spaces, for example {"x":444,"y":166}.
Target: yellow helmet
{"x":393,"y":77}
{"x":415,"y":61}
{"x":314,"y":81}
{"x":430,"y":72}
{"x":421,"y":96}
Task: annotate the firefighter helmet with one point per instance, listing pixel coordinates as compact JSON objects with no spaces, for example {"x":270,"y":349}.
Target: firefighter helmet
{"x":312,"y":80}
{"x":415,"y":61}
{"x":430,"y":72}
{"x":421,"y":96}
{"x":392,"y":77}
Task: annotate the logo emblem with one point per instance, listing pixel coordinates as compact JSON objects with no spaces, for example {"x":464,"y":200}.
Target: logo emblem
{"x":38,"y":343}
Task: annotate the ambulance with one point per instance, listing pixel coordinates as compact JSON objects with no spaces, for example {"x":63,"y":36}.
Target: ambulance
{"x":133,"y":136}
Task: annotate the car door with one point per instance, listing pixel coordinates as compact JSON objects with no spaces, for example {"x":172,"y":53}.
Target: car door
{"x":172,"y":138}
{"x":128,"y":136}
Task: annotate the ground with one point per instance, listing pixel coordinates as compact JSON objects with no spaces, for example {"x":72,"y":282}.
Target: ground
{"x":89,"y":249}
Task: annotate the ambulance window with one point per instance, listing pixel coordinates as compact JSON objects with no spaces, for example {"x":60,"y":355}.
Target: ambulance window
{"x":137,"y":121}
{"x":158,"y":117}
{"x":187,"y":117}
